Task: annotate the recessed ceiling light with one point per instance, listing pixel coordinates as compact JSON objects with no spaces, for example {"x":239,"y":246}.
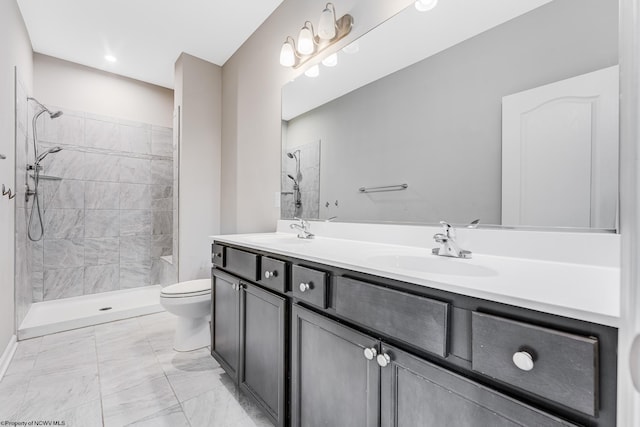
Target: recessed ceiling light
{"x":110,"y":58}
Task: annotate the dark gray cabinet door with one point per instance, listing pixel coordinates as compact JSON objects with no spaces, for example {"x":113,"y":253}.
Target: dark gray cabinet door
{"x":417,"y":393}
{"x":333,"y":384}
{"x":225,"y":334}
{"x":262,"y":372}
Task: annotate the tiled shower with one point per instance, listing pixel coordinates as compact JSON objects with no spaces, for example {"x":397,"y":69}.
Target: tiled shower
{"x":107,"y":204}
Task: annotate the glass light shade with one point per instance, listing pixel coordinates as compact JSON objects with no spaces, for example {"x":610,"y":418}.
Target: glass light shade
{"x":331,"y":60}
{"x":327,"y":25}
{"x":287,"y":55}
{"x":313,"y":71}
{"x":306,"y":45}
{"x":352,"y":47}
{"x":425,"y":5}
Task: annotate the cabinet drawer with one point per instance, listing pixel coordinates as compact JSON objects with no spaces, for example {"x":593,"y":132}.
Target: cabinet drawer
{"x":244,"y":264}
{"x":217,"y":255}
{"x":562,"y":367}
{"x":273,"y":274}
{"x":418,"y":321}
{"x":310,"y":285}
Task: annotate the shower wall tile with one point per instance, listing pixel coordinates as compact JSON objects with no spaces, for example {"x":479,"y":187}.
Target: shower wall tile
{"x":135,"y":196}
{"x":64,"y":223}
{"x":101,"y":278}
{"x":101,"y":223}
{"x":161,"y":245}
{"x":162,"y":273}
{"x":135,"y":249}
{"x":161,"y":197}
{"x":37,"y":284}
{"x":67,"y":129}
{"x":36,"y":255}
{"x":65,"y":194}
{"x":135,"y":138}
{"x":134,"y":275}
{"x":67,"y":164}
{"x":135,"y":222}
{"x":63,"y":283}
{"x":162,"y":141}
{"x":102,"y":251}
{"x":102,"y":167}
{"x":116,"y":190}
{"x":102,"y":134}
{"x":136,"y":171}
{"x":162,"y":172}
{"x":63,"y":253}
{"x":101,"y":195}
{"x":162,"y":223}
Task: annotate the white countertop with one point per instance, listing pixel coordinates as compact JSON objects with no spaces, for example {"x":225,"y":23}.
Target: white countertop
{"x":580,"y":291}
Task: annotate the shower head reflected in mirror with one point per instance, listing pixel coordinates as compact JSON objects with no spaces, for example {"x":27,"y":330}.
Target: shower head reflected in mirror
{"x":295,"y":182}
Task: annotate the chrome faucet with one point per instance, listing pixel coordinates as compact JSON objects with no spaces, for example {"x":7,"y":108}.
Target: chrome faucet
{"x":448,"y":246}
{"x":303,"y":229}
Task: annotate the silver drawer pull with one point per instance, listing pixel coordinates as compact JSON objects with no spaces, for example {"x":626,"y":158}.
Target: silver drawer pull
{"x":219,"y":255}
{"x":270,"y":274}
{"x":370,"y":353}
{"x":523,"y":360}
{"x":383,"y":359}
{"x":304,"y":287}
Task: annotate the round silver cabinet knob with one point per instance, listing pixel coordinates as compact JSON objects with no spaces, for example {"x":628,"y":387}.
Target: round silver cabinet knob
{"x":370,"y":353}
{"x":304,"y":287}
{"x":270,"y":274}
{"x":523,"y":360}
{"x":383,"y":359}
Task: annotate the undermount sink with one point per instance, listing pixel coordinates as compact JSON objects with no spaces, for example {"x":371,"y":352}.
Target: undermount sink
{"x":432,"y":264}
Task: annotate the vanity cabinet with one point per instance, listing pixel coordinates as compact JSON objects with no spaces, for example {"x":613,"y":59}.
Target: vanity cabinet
{"x":319,"y":345}
{"x":343,"y":377}
{"x":415,"y":392}
{"x":332,"y":382}
{"x":249,"y":340}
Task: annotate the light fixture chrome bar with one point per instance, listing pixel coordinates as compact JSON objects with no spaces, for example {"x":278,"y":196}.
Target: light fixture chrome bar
{"x":396,"y":187}
{"x":343,"y":28}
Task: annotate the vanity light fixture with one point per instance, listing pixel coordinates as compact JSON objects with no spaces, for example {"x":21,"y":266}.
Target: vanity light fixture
{"x":313,"y":71}
{"x":306,"y":39}
{"x":331,"y":60}
{"x":425,"y":5}
{"x":330,"y":30}
{"x":110,"y":58}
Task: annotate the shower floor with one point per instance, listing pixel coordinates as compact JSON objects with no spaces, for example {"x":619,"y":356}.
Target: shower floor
{"x":54,"y":316}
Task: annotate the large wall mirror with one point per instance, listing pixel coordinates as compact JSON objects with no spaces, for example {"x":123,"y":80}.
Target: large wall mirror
{"x":501,"y":110}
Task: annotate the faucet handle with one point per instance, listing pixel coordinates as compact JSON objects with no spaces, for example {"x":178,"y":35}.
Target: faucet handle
{"x":474,"y":223}
{"x":448,"y":228}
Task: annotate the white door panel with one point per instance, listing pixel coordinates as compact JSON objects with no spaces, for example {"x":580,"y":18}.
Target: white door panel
{"x":560,"y":153}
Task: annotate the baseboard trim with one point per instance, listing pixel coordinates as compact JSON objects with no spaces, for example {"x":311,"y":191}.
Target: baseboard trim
{"x":6,"y":357}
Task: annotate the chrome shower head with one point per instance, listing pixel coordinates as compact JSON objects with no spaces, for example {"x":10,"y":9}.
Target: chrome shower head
{"x":52,"y":114}
{"x":293,"y":179}
{"x":46,"y":153}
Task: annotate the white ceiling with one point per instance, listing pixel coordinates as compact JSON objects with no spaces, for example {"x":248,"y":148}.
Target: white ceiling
{"x":146,"y":36}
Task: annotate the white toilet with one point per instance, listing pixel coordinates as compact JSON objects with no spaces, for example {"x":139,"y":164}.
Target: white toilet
{"x":191,"y":302}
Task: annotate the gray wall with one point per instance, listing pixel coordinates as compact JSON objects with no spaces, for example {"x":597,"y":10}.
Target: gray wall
{"x":437,"y":124}
{"x":198,"y":94}
{"x":251,"y":82}
{"x":15,"y":51}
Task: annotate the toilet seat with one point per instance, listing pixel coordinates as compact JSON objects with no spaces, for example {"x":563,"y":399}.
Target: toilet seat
{"x":192,"y":288}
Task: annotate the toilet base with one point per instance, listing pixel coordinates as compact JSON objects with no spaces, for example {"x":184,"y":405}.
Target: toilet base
{"x":192,"y":334}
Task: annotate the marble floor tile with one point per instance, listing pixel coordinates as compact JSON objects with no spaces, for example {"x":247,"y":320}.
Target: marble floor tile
{"x":135,"y":403}
{"x":13,"y":389}
{"x":60,"y":391}
{"x":125,"y":372}
{"x":172,"y":417}
{"x":122,"y":373}
{"x":217,"y":407}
